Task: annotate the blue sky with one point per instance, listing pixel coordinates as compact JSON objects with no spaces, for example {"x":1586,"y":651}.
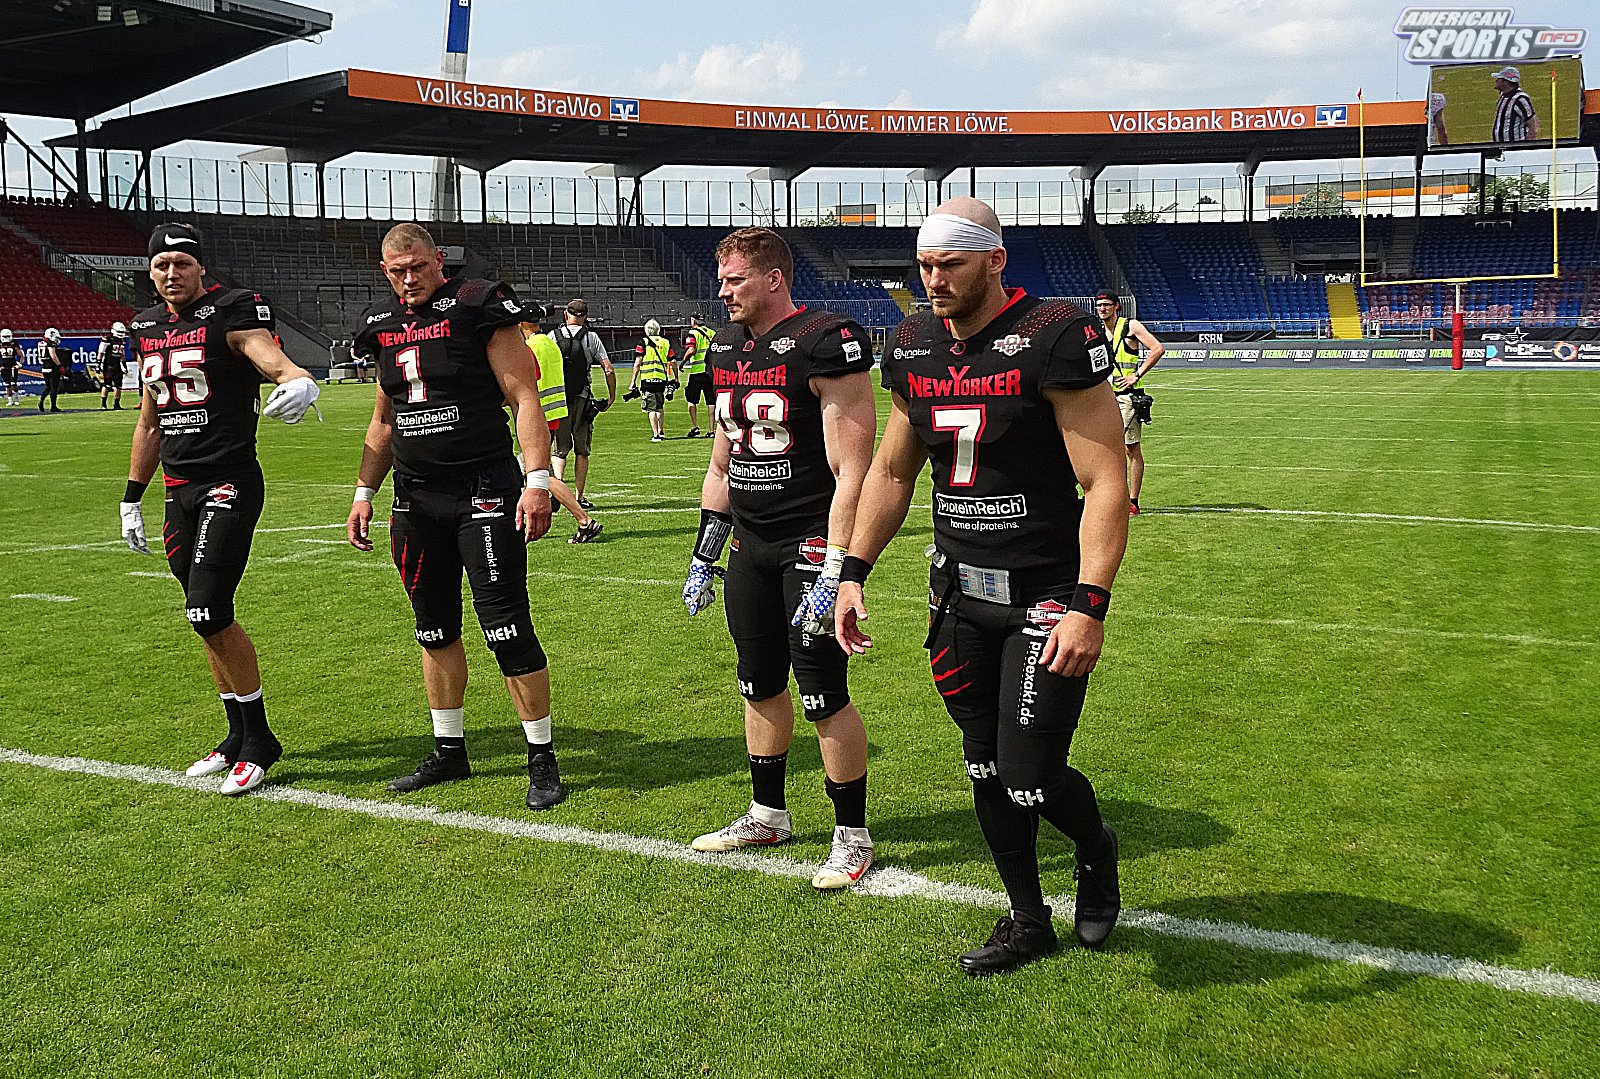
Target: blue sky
{"x":984,"y":54}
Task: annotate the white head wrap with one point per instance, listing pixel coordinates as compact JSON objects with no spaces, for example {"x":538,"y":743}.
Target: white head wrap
{"x":947,"y":232}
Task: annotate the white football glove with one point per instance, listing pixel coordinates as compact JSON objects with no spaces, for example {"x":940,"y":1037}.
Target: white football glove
{"x":290,"y":401}
{"x":814,"y":614}
{"x":699,"y":590}
{"x":133,"y":527}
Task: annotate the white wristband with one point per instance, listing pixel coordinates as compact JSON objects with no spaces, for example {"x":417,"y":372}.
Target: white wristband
{"x":539,"y":479}
{"x":833,"y":561}
{"x":364,"y":494}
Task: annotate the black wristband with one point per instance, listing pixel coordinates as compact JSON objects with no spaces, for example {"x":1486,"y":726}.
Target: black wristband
{"x":1092,"y":600}
{"x":854,"y":570}
{"x":715,"y":527}
{"x":135,"y":491}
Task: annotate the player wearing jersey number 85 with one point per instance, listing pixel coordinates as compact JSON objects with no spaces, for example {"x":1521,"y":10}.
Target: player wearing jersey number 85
{"x":794,"y":419}
{"x":202,"y":353}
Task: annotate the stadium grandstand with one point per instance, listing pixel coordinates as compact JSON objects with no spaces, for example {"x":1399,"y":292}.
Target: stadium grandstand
{"x":1223,"y":255}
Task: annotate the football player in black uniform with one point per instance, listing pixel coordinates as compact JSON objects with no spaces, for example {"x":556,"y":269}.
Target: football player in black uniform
{"x":10,"y":360}
{"x":109,"y":359}
{"x":450,"y":356}
{"x":202,"y":355}
{"x":795,"y":422}
{"x":54,"y":364}
{"x":1006,"y":397}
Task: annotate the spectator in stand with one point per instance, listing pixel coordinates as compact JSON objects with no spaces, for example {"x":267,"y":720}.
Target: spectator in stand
{"x":54,"y":363}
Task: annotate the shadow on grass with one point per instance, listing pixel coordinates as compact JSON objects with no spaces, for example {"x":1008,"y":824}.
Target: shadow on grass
{"x":951,"y":836}
{"x":1183,"y":965}
{"x":610,"y":758}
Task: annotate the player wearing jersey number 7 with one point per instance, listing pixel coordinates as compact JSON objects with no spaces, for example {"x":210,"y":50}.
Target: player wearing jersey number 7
{"x":1006,"y":396}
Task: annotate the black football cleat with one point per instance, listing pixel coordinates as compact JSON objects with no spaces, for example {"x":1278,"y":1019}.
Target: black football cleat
{"x":435,"y":768}
{"x":1015,"y":941}
{"x":1099,"y":897}
{"x":544,"y":782}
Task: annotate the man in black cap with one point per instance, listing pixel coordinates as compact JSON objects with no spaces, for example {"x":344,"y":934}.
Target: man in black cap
{"x":1124,"y":336}
{"x":203,"y":353}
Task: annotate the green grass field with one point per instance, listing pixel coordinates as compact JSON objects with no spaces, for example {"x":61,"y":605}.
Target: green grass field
{"x":1370,"y":720}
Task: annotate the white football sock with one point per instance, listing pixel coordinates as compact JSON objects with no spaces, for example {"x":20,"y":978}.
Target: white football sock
{"x":447,"y":723}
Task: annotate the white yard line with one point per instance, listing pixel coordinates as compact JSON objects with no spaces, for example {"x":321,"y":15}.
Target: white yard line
{"x":1351,"y":471}
{"x":44,"y":597}
{"x":884,"y":882}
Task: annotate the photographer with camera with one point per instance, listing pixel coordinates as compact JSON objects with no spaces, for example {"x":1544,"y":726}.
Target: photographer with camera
{"x":655,"y":372}
{"x":1125,"y":335}
{"x":581,"y":349}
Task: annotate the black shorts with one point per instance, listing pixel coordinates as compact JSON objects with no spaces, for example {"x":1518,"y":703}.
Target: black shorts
{"x":985,"y":665}
{"x":763,"y":588}
{"x":698,"y":390}
{"x":439,"y":528}
{"x":210,"y":525}
{"x":9,"y":374}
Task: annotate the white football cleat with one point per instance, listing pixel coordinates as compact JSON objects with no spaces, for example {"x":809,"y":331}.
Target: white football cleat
{"x":244,"y":777}
{"x":850,"y":858}
{"x":209,"y":765}
{"x":760,"y":827}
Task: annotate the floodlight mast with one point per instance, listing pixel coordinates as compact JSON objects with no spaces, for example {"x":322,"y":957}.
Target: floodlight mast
{"x":453,"y":66}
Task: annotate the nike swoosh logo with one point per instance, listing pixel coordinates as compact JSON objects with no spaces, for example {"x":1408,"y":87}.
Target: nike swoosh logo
{"x":171,"y":239}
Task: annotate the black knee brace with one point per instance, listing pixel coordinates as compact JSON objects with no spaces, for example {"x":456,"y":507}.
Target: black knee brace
{"x":516,"y":647}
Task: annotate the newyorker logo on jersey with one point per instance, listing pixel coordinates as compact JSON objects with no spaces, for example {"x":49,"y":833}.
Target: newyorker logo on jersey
{"x":1462,"y":35}
{"x":1010,"y":345}
{"x":173,"y":340}
{"x":411,"y":333}
{"x":745,"y":375}
{"x":999,"y":384}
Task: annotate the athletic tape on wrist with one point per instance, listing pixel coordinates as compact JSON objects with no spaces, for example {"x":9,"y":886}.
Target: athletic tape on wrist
{"x":833,"y":561}
{"x":1092,"y":600}
{"x":364,"y":494}
{"x":539,"y":479}
{"x":854,"y":570}
{"x":715,"y":528}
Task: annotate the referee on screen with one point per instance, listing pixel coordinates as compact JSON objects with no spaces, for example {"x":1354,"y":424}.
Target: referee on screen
{"x":1514,"y":118}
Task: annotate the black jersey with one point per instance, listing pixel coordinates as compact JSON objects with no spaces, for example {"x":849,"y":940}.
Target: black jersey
{"x":54,"y":357}
{"x":1004,"y":493}
{"x":433,"y":364}
{"x":112,"y":354}
{"x":207,"y":397}
{"x":778,"y":474}
{"x":10,"y":356}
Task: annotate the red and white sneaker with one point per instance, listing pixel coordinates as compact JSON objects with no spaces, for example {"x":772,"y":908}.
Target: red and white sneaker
{"x":244,"y":777}
{"x":1133,"y":509}
{"x":209,"y":765}
{"x":850,"y":858}
{"x":761,"y":827}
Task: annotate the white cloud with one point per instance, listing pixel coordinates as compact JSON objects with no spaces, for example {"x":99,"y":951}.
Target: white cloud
{"x":766,"y":73}
{"x":541,"y":67}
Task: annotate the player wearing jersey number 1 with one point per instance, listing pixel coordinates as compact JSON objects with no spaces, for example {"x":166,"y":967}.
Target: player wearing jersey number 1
{"x":794,"y":425}
{"x":202,"y":355}
{"x":450,"y":356}
{"x":1006,"y":396}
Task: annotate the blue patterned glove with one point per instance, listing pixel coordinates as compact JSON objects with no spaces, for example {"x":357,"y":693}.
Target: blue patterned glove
{"x":699,"y":589}
{"x":814,"y":614}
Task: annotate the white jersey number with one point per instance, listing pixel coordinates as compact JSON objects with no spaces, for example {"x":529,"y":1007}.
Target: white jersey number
{"x":967,"y":422}
{"x":766,"y":412}
{"x":186,"y":366}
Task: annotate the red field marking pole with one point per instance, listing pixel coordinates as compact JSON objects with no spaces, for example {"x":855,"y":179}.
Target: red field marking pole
{"x":1457,"y":332}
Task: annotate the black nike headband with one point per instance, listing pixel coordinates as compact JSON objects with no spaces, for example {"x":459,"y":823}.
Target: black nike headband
{"x":173,"y":237}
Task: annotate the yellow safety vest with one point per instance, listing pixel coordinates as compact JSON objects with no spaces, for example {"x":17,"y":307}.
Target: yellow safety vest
{"x":552,"y":378}
{"x":699,"y":341}
{"x":652,"y":359}
{"x":1123,"y":356}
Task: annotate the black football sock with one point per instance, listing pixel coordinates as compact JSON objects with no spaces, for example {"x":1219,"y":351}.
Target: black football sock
{"x":766,"y":779}
{"x":1012,"y":835}
{"x":261,"y":746}
{"x":849,"y":801}
{"x":1077,"y":814}
{"x":230,"y":745}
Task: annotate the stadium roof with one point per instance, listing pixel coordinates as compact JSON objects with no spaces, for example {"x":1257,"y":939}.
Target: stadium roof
{"x":325,"y":117}
{"x":74,"y":59}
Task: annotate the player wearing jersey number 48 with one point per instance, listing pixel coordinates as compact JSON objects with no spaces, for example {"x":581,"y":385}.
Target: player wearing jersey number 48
{"x":450,"y":356}
{"x":1006,"y":396}
{"x":202,"y":354}
{"x":794,"y":420}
